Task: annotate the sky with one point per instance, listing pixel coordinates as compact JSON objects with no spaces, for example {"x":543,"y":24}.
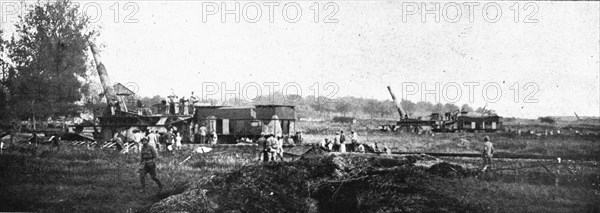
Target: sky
{"x":531,"y":59}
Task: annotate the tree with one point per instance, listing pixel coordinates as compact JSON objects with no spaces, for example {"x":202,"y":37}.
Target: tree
{"x":149,"y":102}
{"x":294,"y":99}
{"x":466,"y":108}
{"x":4,"y":74}
{"x":48,"y":52}
{"x":438,"y":108}
{"x":409,"y":106}
{"x":386,"y":108}
{"x":450,"y":107}
{"x":371,"y":107}
{"x":343,"y":107}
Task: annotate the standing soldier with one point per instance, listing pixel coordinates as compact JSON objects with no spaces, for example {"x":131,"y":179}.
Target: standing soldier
{"x":336,"y":143}
{"x":140,"y":106}
{"x":193,"y":100}
{"x":169,"y":139}
{"x":271,"y":147}
{"x":184,"y":107}
{"x":214,"y":138}
{"x":342,"y":141}
{"x":153,"y":139}
{"x":203,"y":133}
{"x":354,"y":140}
{"x":488,"y":153}
{"x":164,"y":109}
{"x":178,"y":141}
{"x":137,"y":139}
{"x":279,"y":148}
{"x":262,"y":148}
{"x":299,"y":138}
{"x":112,"y":105}
{"x":147,"y":164}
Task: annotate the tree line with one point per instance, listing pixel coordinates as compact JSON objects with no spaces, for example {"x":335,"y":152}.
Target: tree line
{"x":45,"y":64}
{"x":46,"y":70}
{"x":311,"y":106}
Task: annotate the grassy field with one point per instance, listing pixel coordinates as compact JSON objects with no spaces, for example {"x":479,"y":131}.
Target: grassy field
{"x":568,"y":143}
{"x":76,"y":179}
{"x":81,"y":179}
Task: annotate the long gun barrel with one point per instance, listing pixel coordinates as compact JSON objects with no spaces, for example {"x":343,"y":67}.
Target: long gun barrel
{"x":401,"y":110}
{"x":109,"y":91}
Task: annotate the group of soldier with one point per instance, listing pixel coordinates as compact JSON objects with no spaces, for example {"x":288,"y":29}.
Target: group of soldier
{"x":341,"y":144}
{"x":169,"y":141}
{"x":175,"y":105}
{"x":271,"y":147}
{"x":203,"y":137}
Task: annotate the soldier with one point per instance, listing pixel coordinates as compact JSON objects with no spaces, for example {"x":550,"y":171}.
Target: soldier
{"x":193,"y":99}
{"x":153,"y":139}
{"x":169,"y":139}
{"x":214,"y":138}
{"x":147,"y":164}
{"x":140,"y":107}
{"x":164,"y":109}
{"x":299,"y":138}
{"x":329,"y":145}
{"x":178,"y":141}
{"x":262,"y":148}
{"x":360,"y":148}
{"x":117,"y":105}
{"x":354,"y":140}
{"x":342,"y":141}
{"x":279,"y":148}
{"x":137,"y":139}
{"x":112,"y":106}
{"x":323,"y":143}
{"x":336,"y":143}
{"x":488,"y":153}
{"x":202,"y":131}
{"x":271,"y":147}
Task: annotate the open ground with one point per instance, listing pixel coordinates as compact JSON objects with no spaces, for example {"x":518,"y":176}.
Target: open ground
{"x":88,"y":179}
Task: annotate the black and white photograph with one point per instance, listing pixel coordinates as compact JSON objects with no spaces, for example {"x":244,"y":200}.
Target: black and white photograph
{"x":235,"y":106}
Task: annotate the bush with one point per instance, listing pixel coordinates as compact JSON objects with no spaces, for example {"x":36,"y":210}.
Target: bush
{"x":547,"y":119}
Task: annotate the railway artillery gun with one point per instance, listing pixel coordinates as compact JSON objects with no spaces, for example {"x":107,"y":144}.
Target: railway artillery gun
{"x":231,"y":124}
{"x":446,"y":122}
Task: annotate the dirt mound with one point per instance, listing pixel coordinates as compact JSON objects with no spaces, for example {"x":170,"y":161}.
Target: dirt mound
{"x":330,"y":183}
{"x":448,"y":170}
